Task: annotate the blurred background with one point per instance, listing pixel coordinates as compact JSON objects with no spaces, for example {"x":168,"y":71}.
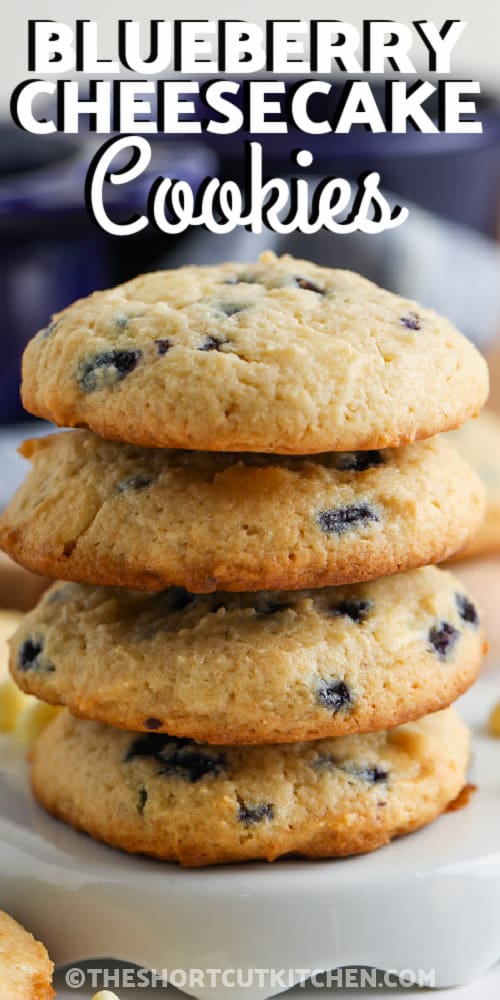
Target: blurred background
{"x":447,"y":254}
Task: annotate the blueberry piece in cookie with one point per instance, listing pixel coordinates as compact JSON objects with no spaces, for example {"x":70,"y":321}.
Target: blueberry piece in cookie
{"x":333,"y":695}
{"x":372,"y":774}
{"x":467,"y":610}
{"x":191,"y":762}
{"x":358,"y":461}
{"x":212,"y":344}
{"x":342,"y":519}
{"x":146,"y":746}
{"x":152,"y":724}
{"x":355,"y":608}
{"x":107,"y":368}
{"x":31,"y":655}
{"x":411,"y":321}
{"x":442,"y":638}
{"x":248,"y":815}
{"x":162,"y":346}
{"x":182,"y":758}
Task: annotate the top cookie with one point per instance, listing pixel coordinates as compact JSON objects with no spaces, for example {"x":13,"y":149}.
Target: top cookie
{"x":279,"y":356}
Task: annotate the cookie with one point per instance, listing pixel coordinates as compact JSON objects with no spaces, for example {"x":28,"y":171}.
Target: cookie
{"x":184,"y":801}
{"x":479,"y":443}
{"x":100,"y":512}
{"x":318,"y":663}
{"x":277,"y":356}
{"x":25,"y":968}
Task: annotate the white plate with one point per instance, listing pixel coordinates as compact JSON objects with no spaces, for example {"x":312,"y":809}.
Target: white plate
{"x":429,"y":901}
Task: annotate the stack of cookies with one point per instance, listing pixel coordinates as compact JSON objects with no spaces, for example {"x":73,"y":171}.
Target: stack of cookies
{"x":256,"y":657}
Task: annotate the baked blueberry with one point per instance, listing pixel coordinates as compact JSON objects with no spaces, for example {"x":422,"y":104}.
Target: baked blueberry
{"x":149,"y":745}
{"x":178,"y":757}
{"x":191,"y":762}
{"x":355,"y":608}
{"x":248,"y":815}
{"x":212,"y":344}
{"x":342,"y":519}
{"x":333,"y":695}
{"x":113,"y":365}
{"x":152,"y":723}
{"x":162,"y":346}
{"x":442,"y":638}
{"x":358,"y":461}
{"x":467,"y":610}
{"x":372,"y":774}
{"x":30,"y":655}
{"x":411,"y":321}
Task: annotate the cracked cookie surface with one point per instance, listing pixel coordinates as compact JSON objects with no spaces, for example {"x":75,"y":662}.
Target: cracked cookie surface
{"x":279,"y":356}
{"x":95,"y":511}
{"x":316,"y":663}
{"x":184,"y":801}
